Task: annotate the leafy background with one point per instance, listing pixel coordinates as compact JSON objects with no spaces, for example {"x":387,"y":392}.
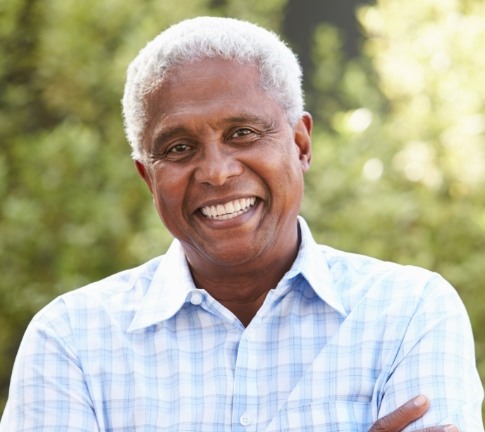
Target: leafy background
{"x":395,"y":88}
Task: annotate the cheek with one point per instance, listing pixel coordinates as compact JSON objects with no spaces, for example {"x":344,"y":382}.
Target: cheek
{"x":292,"y":182}
{"x":169,"y":192}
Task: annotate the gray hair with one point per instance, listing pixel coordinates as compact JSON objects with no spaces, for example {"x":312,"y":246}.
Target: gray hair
{"x":204,"y":37}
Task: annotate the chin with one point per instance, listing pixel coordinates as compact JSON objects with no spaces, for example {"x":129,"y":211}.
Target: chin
{"x":237,"y":255}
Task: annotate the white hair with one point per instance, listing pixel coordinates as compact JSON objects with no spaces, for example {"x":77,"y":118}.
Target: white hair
{"x":204,"y":37}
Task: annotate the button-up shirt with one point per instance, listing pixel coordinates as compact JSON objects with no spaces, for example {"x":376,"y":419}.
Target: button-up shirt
{"x":342,"y":340}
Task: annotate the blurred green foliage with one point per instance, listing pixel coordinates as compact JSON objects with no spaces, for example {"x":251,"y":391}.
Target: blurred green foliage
{"x":399,"y":144}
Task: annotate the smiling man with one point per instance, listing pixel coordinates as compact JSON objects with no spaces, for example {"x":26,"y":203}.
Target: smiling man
{"x":245,"y":324}
{"x":225,"y":168}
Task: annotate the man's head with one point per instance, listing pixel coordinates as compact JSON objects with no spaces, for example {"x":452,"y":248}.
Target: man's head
{"x":224,"y":141}
{"x":209,"y":37}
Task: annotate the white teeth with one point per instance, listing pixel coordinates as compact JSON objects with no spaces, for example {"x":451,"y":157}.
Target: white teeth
{"x":228,"y":210}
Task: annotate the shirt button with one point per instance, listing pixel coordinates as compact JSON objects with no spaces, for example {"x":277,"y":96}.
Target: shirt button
{"x":196,"y":298}
{"x":245,"y":419}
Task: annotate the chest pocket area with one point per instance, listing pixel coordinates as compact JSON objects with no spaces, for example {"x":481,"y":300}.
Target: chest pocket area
{"x":335,"y":416}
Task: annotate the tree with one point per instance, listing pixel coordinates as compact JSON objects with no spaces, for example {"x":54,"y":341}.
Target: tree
{"x":398,"y":166}
{"x":73,"y":209}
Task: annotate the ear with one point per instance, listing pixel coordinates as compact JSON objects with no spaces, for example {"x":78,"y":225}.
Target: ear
{"x":144,"y":174}
{"x":303,"y":140}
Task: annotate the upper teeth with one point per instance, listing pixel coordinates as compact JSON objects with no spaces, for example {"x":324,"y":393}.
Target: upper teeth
{"x":228,"y":210}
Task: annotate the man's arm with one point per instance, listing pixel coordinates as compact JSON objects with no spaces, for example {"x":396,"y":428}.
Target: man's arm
{"x":39,"y":400}
{"x":436,"y":357}
{"x":48,"y":391}
{"x":405,"y":415}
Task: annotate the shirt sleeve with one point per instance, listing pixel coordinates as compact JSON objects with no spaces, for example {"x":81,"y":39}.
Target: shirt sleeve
{"x":47,"y":389}
{"x":437,"y":359}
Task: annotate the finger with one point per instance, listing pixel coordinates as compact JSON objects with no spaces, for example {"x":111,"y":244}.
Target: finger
{"x":402,"y":416}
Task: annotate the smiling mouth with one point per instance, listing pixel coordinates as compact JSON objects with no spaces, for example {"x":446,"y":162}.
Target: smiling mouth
{"x":228,"y":210}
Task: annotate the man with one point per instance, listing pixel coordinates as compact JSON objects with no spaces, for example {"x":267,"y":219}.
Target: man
{"x":245,"y":324}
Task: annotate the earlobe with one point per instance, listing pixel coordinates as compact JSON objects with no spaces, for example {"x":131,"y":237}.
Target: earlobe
{"x":143,"y":172}
{"x":303,"y":131}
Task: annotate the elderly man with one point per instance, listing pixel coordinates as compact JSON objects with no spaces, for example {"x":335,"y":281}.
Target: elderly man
{"x":245,"y":324}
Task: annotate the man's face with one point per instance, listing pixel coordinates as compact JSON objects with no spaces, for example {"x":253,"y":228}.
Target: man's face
{"x":223,"y":164}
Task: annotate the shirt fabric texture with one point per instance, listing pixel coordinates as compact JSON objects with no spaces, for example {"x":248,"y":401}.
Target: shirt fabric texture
{"x":341,"y":341}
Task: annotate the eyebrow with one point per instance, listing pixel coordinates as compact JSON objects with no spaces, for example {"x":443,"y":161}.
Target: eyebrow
{"x":249,"y":118}
{"x":169,"y":133}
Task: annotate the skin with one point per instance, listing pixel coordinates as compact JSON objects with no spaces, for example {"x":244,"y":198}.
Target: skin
{"x":211,"y":140}
{"x":405,"y":415}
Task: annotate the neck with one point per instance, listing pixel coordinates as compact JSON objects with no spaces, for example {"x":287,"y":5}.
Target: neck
{"x":242,"y":288}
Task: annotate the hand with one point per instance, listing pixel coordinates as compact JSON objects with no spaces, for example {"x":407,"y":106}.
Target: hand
{"x":406,"y":414}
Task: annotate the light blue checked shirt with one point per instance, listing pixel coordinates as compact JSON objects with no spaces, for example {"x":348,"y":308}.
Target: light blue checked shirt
{"x":342,"y":340}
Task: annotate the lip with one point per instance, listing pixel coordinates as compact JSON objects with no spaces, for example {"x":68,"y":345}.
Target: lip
{"x":229,"y":209}
{"x":235,"y":218}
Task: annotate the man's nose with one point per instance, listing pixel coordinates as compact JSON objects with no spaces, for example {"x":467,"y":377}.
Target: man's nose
{"x":217,"y":164}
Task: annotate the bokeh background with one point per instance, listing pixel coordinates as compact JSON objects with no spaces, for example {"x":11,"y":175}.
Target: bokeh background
{"x":396,"y":88}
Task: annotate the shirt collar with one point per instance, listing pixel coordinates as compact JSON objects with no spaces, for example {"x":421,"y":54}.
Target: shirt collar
{"x":313,"y":266}
{"x":171,"y":285}
{"x":168,"y":290}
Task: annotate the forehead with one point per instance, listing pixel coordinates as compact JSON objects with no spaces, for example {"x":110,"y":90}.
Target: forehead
{"x":205,"y":79}
{"x":207,"y":89}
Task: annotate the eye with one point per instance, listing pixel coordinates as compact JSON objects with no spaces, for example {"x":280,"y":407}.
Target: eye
{"x":179,"y":148}
{"x":243,"y":132}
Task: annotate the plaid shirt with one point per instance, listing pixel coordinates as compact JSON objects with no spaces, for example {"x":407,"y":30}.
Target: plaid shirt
{"x":342,"y":340}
